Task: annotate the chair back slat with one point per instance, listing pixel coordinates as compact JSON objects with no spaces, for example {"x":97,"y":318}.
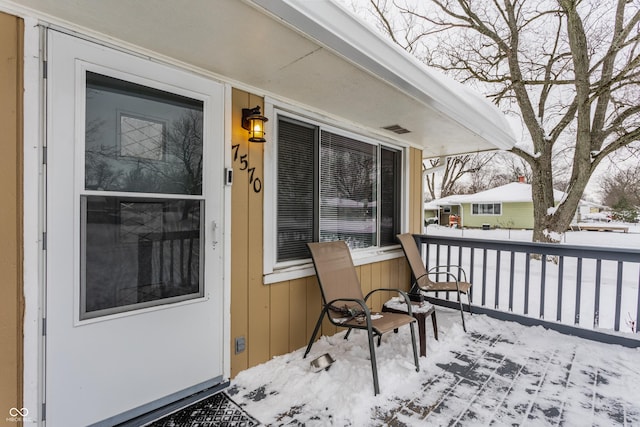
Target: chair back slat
{"x":413,"y":255}
{"x":335,"y":270}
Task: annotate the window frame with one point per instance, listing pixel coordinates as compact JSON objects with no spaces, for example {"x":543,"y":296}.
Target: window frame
{"x":494,"y":204}
{"x":82,"y":316}
{"x":275,"y":271}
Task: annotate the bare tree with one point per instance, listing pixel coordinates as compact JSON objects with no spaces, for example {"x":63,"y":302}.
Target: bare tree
{"x":455,"y":168}
{"x":568,"y":68}
{"x":622,"y":187}
{"x":503,"y":168}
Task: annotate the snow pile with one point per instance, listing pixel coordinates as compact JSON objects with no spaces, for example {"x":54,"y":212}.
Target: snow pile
{"x":343,"y":394}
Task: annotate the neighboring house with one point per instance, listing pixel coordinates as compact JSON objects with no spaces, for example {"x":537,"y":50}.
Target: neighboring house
{"x":150,"y":251}
{"x":592,"y":212}
{"x":507,"y":206}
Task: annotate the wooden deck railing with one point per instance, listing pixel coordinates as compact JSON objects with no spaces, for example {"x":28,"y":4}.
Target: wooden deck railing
{"x":588,"y":291}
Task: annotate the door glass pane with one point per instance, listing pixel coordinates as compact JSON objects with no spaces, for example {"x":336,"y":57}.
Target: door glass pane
{"x":348,"y":199}
{"x":141,"y":139}
{"x":137,"y":253}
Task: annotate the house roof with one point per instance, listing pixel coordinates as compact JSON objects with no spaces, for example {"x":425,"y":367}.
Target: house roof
{"x":509,"y":193}
{"x":312,"y":53}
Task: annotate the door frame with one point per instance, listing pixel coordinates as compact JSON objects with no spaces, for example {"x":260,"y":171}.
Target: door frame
{"x":35,"y":206}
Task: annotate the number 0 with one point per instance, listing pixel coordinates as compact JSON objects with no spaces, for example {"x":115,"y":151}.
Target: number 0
{"x":257,"y":185}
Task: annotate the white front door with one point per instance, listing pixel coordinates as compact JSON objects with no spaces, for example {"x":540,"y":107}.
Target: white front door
{"x":134,"y":272}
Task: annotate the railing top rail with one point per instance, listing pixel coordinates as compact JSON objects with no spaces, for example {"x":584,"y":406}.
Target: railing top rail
{"x":595,"y":252}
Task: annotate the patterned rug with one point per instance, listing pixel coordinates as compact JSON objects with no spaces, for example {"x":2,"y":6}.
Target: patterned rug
{"x":217,"y":410}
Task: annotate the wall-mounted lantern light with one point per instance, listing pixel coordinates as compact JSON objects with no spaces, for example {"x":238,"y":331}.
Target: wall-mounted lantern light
{"x":253,"y":121}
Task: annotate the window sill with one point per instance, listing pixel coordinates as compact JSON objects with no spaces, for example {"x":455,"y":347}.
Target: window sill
{"x":306,"y":269}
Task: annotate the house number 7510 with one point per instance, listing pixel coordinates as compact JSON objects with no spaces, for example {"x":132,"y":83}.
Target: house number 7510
{"x":244,"y":165}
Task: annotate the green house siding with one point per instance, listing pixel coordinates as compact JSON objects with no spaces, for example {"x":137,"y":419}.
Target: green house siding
{"x":514,"y":215}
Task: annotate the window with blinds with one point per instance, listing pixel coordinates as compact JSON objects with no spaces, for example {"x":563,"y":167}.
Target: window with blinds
{"x":390,"y":184}
{"x":486,"y":209}
{"x":348,"y":196}
{"x":297,"y":183}
{"x":333,"y":187}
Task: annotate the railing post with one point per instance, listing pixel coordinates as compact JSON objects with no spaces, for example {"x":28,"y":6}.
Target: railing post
{"x":560,"y":279}
{"x":472,"y":265}
{"x":511,"y":277}
{"x":578,"y":290}
{"x":638,"y":305}
{"x":527,"y":275}
{"x":484,"y":277}
{"x":618,"y":297}
{"x":448,"y":263}
{"x":543,"y":278}
{"x":596,"y":303}
{"x":459,"y":261}
{"x":497,"y":293}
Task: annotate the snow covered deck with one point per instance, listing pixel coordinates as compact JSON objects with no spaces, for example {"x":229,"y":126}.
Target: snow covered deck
{"x":499,"y":373}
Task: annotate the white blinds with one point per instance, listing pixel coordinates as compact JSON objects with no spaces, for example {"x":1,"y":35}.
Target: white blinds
{"x":348,"y":194}
{"x":297,"y":143}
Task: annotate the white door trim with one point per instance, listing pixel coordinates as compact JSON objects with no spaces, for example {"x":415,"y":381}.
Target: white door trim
{"x":33,"y":222}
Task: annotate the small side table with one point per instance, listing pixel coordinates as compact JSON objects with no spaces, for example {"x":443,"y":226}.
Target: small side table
{"x":420,"y":314}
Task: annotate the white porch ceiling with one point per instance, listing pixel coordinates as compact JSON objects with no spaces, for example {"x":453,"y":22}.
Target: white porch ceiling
{"x":311,"y":52}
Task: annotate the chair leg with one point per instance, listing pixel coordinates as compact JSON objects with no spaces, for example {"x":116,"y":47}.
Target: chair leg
{"x":464,"y":327}
{"x":374,"y":365}
{"x":469,"y":299}
{"x":346,"y":336}
{"x":415,"y":348}
{"x":435,"y":324}
{"x":315,"y":332}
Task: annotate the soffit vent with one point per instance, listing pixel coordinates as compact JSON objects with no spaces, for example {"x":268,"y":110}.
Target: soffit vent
{"x":396,"y":129}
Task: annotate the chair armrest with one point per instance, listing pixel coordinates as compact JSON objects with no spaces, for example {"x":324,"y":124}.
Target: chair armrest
{"x":451,"y":275}
{"x":401,"y":292}
{"x":435,"y":270}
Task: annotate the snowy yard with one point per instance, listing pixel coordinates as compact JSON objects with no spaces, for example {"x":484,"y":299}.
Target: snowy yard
{"x":499,"y":373}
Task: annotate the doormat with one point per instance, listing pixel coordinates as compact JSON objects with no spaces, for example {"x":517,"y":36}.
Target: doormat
{"x":217,"y":410}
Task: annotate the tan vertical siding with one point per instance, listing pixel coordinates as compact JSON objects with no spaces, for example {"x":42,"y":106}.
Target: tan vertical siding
{"x":298,"y":313}
{"x":314,"y":306}
{"x":239,"y":239}
{"x":279,"y":318}
{"x":259,"y":301}
{"x":375,"y":299}
{"x":11,"y":143}
{"x":415,"y":191}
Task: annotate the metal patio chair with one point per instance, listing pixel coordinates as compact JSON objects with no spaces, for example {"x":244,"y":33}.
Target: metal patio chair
{"x":422,"y":281}
{"x":345,"y":305}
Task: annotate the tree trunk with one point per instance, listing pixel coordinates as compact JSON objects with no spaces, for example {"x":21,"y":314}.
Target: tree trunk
{"x":551,"y":221}
{"x":542,"y":196}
